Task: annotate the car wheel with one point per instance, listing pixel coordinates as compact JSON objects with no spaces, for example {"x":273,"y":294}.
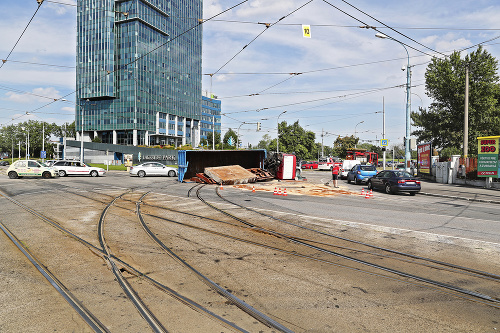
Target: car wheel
{"x":94,"y":173}
{"x":46,"y":175}
{"x":388,"y":189}
{"x":413,"y":193}
{"x":171,"y":173}
{"x":12,"y":175}
{"x":62,"y":173}
{"x":370,"y":185}
{"x":348,"y":180}
{"x":356,"y":182}
{"x":141,"y":173}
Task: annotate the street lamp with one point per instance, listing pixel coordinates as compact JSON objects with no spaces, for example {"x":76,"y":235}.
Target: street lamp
{"x":238,"y":139}
{"x":408,"y":101}
{"x":278,"y":128}
{"x":355,"y":145}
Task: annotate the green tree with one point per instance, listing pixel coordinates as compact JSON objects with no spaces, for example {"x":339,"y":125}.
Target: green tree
{"x":342,"y":144}
{"x":234,"y":138}
{"x":442,"y":124}
{"x":208,"y":141}
{"x":294,"y":139}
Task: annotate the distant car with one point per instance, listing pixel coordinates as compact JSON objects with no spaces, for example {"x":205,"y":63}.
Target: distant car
{"x":30,"y":168}
{"x":347,"y":165}
{"x":66,"y":168}
{"x":309,"y":165}
{"x":4,"y":163}
{"x":361,"y":173}
{"x":395,"y":181}
{"x":152,"y":169}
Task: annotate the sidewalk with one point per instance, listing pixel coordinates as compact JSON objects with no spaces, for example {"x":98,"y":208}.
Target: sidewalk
{"x":463,"y":192}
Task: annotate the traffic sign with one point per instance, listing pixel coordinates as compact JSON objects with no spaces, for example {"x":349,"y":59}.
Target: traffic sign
{"x":384,"y":142}
{"x":43,"y":154}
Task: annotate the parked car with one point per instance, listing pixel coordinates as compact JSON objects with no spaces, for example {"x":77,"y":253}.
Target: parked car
{"x":395,"y":181}
{"x":66,"y":168}
{"x":50,"y":162}
{"x":152,"y":169}
{"x":361,"y":173}
{"x":30,"y":168}
{"x":309,"y":165}
{"x":346,"y":166}
{"x":4,"y":163}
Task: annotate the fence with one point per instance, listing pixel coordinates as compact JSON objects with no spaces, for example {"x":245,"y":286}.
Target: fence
{"x":470,"y":167}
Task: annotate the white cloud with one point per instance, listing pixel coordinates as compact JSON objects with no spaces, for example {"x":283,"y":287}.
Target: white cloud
{"x":37,"y":95}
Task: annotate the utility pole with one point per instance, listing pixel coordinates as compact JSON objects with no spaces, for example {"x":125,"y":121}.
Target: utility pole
{"x":466,"y":112}
{"x":383,"y":126}
{"x":322,"y":135}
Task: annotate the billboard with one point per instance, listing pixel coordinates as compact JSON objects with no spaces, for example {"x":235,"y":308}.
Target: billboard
{"x":424,"y":157}
{"x":488,"y":156}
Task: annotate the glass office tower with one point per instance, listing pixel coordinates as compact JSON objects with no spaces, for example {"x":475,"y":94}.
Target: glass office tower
{"x":139,"y":71}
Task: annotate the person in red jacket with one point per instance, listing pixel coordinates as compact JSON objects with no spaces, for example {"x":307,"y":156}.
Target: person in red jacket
{"x":335,"y":175}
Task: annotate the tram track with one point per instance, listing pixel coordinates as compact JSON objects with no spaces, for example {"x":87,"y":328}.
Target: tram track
{"x":117,"y":265}
{"x":490,"y":300}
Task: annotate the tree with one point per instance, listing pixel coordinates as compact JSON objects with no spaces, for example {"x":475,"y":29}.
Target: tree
{"x":443,"y":123}
{"x":208,"y":141}
{"x":342,"y":144}
{"x":294,"y":139}
{"x":230,"y":136}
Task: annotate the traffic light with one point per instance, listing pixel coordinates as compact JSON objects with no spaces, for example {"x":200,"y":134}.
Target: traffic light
{"x":258,"y":126}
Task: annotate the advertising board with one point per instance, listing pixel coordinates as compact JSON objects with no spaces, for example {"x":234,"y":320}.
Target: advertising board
{"x":424,"y":157}
{"x":488,"y":156}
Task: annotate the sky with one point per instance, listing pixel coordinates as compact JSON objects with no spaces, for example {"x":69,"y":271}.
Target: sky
{"x":335,"y":83}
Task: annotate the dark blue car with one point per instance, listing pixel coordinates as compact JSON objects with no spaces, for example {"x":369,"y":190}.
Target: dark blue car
{"x":394,"y":181}
{"x":361,"y":173}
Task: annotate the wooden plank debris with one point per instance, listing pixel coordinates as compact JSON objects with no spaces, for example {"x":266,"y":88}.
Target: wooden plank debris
{"x":230,"y":174}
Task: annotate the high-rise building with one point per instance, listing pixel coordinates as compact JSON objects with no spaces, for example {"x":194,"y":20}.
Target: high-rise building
{"x":139,"y":71}
{"x":210,"y":121}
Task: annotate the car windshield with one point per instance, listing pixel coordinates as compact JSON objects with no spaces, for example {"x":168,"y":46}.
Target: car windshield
{"x":403,"y":174}
{"x":368,"y":168}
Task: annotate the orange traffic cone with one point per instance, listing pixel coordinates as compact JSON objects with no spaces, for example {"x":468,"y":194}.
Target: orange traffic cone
{"x":371,"y":193}
{"x":367,"y":196}
{"x":279,"y":191}
{"x":253,"y":188}
{"x":275,"y":191}
{"x":284,"y":193}
{"x":362,"y":192}
{"x":221,"y":188}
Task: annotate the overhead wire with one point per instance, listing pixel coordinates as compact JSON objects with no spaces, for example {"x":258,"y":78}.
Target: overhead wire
{"x":25,"y":28}
{"x":268,"y":25}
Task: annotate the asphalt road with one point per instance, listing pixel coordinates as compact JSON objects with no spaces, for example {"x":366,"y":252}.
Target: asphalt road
{"x":309,"y":296}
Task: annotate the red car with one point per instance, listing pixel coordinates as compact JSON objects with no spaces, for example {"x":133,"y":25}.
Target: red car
{"x":309,"y":165}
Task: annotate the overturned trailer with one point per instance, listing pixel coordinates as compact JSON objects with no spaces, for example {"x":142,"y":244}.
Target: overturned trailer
{"x":193,"y":162}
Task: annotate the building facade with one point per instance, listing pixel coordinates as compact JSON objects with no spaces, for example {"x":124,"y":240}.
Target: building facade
{"x":139,"y":71}
{"x":210,"y":121}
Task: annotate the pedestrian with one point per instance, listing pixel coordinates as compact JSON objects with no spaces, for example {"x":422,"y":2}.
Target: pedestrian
{"x":335,"y":175}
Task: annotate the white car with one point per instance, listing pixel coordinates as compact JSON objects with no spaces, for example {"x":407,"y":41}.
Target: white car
{"x":66,"y":168}
{"x":30,"y":168}
{"x":152,"y":169}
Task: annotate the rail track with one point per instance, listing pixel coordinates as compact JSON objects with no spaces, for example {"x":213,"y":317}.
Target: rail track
{"x":309,"y":243}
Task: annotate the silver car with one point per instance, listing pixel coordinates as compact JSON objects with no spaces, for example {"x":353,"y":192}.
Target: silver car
{"x":152,"y":169}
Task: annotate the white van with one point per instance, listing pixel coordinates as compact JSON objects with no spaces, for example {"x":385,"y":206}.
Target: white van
{"x":346,"y":166}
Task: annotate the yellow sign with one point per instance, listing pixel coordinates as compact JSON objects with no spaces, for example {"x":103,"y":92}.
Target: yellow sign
{"x":306,"y":30}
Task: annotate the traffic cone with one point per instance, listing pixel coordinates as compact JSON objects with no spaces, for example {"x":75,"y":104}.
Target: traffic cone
{"x":275,"y":191}
{"x":367,"y":196}
{"x":279,"y":191}
{"x":253,"y":188}
{"x":284,"y":193}
{"x":221,"y":188}
{"x":371,"y":193}
{"x":362,"y":192}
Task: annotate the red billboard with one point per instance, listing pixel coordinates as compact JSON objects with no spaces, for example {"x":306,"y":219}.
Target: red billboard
{"x":424,"y":157}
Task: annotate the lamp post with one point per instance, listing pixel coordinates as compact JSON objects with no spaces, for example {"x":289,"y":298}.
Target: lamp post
{"x":278,"y":128}
{"x":238,"y":139}
{"x":408,"y":102}
{"x":355,"y":145}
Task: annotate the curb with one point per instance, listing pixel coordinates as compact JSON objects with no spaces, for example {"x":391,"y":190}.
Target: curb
{"x":459,"y":198}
